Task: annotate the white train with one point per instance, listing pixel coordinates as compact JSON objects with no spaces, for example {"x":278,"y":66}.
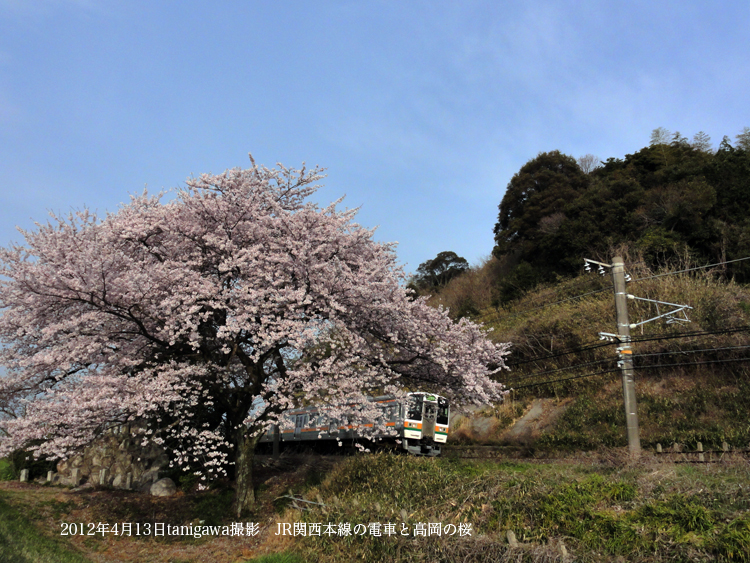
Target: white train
{"x":420,"y":421}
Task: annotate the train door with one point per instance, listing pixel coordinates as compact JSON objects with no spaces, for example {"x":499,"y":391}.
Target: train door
{"x":299,"y":424}
{"x":413,"y":419}
{"x":442,"y":420}
{"x":333,"y":427}
{"x":428,"y":418}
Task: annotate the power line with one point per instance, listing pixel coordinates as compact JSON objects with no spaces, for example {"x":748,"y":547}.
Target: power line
{"x":691,"y":269}
{"x":563,"y":353}
{"x":511,"y":315}
{"x":596,"y":362}
{"x":652,"y":366}
{"x":726,"y":348}
{"x":524,"y":311}
{"x":597,"y":345}
{"x":648,"y":339}
{"x":730,"y":330}
{"x":691,"y":351}
{"x":660,"y":337}
{"x":564,"y":379}
{"x":537,"y":384}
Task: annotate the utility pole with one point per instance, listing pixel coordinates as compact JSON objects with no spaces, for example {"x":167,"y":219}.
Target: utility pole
{"x":626,"y":356}
{"x":625,"y":352}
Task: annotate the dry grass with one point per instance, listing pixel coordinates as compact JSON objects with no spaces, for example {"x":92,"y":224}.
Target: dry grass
{"x":49,"y":506}
{"x":598,"y":506}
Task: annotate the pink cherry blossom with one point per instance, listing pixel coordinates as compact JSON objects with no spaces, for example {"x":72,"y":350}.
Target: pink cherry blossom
{"x":205,"y":317}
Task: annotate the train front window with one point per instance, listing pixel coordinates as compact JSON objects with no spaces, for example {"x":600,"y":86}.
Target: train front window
{"x":414,"y":411}
{"x":443,"y":411}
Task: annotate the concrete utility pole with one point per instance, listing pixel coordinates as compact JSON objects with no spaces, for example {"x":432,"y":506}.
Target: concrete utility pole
{"x":626,"y":356}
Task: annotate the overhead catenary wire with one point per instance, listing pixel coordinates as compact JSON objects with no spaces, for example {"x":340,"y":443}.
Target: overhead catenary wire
{"x":682,"y":364}
{"x":537,"y":384}
{"x":597,"y":345}
{"x":526,"y":377}
{"x":524,"y":311}
{"x":673,"y":352}
{"x":692,"y":334}
{"x":586,"y":364}
{"x":729,"y":330}
{"x":566,"y":352}
{"x":679,"y":364}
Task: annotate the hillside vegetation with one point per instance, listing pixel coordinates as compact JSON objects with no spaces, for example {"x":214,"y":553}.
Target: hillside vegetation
{"x":669,"y":209}
{"x":692,"y":378}
{"x":666,"y":199}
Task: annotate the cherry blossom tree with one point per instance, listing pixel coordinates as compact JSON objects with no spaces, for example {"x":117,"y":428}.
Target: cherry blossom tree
{"x":203,"y":318}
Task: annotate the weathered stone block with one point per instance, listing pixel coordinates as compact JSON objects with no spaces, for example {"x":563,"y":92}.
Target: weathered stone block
{"x":163,"y":488}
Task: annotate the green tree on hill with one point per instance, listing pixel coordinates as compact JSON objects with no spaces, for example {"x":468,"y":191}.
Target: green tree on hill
{"x":531,"y":222}
{"x":440,"y":270}
{"x":671,"y":197}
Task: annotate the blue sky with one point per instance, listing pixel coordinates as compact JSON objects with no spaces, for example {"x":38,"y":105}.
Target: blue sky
{"x":420,"y":111}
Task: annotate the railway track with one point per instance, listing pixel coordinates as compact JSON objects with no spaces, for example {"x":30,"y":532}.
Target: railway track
{"x":709,"y":456}
{"x":526,"y":453}
{"x":501,"y":453}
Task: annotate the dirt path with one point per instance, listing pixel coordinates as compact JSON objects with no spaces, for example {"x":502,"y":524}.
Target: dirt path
{"x":540,"y":416}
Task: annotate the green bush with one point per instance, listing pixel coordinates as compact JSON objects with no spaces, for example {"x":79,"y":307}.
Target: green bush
{"x":6,"y":470}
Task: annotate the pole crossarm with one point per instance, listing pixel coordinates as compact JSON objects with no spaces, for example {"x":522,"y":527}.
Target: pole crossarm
{"x":670,"y":315}
{"x":587,"y":261}
{"x":587,"y":265}
{"x":611,"y":337}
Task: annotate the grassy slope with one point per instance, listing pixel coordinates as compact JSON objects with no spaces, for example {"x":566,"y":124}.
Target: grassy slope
{"x":596,"y":510}
{"x":645,"y":512}
{"x":706,"y":403}
{"x":22,"y":542}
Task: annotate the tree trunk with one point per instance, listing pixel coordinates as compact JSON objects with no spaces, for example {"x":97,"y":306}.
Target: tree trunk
{"x":244,"y":495}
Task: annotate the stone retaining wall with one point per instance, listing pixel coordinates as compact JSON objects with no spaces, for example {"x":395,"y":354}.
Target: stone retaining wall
{"x":117,"y":459}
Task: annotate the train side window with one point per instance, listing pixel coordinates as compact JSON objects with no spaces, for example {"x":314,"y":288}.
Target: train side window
{"x":414,"y":407}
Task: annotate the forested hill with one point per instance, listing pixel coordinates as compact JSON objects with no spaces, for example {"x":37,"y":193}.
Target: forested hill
{"x":674,"y":210}
{"x":670,"y":198}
